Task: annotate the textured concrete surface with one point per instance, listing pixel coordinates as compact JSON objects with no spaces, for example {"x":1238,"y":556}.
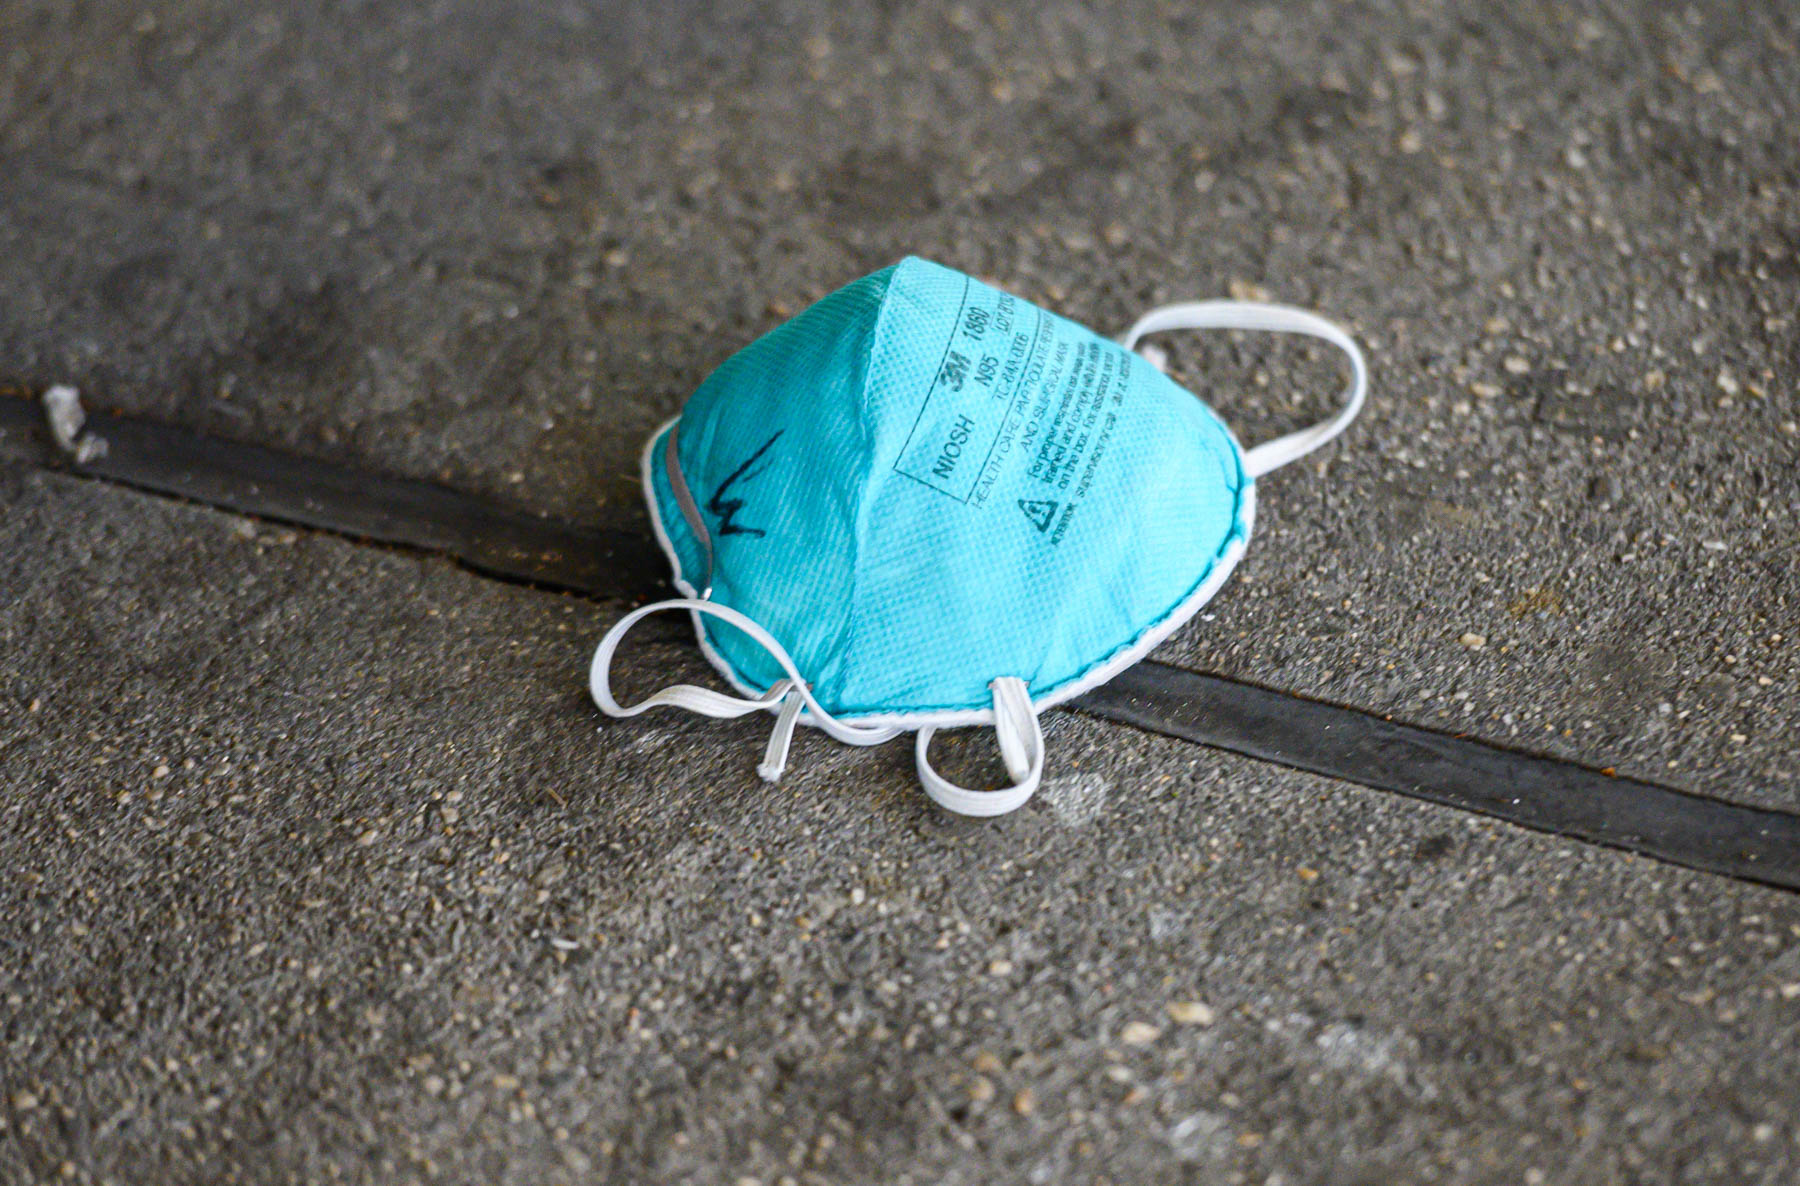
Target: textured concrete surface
{"x":498,"y":242}
{"x":317,"y":868}
{"x":495,"y":243}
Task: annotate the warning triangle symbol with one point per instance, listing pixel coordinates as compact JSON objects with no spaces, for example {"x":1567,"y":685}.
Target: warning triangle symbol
{"x":1040,"y":511}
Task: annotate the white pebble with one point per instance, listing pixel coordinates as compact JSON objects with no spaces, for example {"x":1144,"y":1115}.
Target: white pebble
{"x":1192,"y":1013}
{"x":1139,"y":1033}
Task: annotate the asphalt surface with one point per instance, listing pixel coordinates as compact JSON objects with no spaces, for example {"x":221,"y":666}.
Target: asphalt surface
{"x":318,"y":864}
{"x":321,"y":868}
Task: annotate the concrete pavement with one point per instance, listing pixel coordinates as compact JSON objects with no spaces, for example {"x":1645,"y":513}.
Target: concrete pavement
{"x":320,"y":866}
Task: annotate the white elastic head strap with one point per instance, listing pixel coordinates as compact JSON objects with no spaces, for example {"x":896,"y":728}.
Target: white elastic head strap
{"x":787,"y":697}
{"x":1021,"y":741}
{"x":1276,"y":319}
{"x":1016,"y":726}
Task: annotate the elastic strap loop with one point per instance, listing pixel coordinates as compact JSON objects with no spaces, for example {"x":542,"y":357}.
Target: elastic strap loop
{"x":1021,"y":742}
{"x":789,"y":697}
{"x":776,"y":756}
{"x":1282,"y":319}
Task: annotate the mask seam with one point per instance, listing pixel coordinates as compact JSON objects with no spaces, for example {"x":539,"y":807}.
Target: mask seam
{"x":866,"y":435}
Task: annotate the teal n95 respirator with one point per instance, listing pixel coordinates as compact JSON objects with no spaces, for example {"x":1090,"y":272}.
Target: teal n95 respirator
{"x":924,"y":502}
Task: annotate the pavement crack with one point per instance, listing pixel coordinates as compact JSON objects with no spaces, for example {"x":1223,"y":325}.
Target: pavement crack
{"x":510,"y":544}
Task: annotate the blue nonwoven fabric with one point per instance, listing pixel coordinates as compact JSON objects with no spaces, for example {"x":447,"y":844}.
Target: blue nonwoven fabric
{"x":922,"y":483}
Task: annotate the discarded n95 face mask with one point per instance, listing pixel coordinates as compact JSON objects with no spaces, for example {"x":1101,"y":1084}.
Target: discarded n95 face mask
{"x":924,"y":503}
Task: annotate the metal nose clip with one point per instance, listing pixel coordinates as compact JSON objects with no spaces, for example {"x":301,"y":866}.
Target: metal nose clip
{"x":690,"y":510}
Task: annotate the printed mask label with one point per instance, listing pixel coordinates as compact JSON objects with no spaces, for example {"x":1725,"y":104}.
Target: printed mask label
{"x":1017,"y":388}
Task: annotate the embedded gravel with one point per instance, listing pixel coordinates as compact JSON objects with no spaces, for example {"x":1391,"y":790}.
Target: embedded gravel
{"x":319,"y":870}
{"x":316,"y":866}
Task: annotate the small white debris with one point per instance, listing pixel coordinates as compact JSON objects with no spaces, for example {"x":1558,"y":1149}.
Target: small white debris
{"x":1516,"y":365}
{"x":68,"y":424}
{"x":1139,"y":1033}
{"x":1191,"y":1013}
{"x":1244,"y":290}
{"x":1473,"y":641}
